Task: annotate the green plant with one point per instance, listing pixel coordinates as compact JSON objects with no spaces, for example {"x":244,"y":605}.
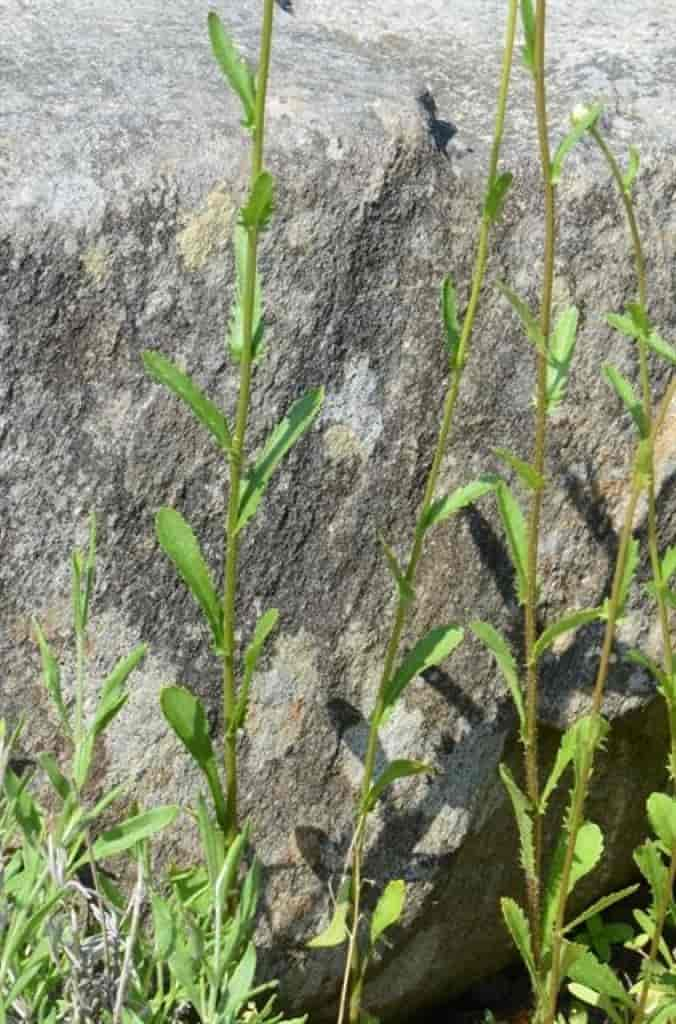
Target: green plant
{"x":247,"y":481}
{"x":398,"y":672}
{"x":540,"y":935}
{"x":53,"y":961}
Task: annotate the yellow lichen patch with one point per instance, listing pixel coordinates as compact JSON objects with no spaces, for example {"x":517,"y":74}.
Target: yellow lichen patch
{"x":205,"y":232}
{"x":95,"y":262}
{"x":342,"y":443}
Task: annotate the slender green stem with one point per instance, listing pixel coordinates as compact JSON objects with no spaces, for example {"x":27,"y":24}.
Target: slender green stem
{"x":535,"y":512}
{"x":236,"y":456}
{"x":352,"y":961}
{"x":654,"y":426}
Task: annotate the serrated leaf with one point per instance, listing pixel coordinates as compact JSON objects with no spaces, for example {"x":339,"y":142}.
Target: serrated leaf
{"x":51,"y":675}
{"x":264,"y":627}
{"x":165,"y":372}
{"x":404,"y":588}
{"x":564,"y":625}
{"x":336,"y":931}
{"x":234,"y":67}
{"x":431,"y":650}
{"x":443,"y":508}
{"x":260,"y":203}
{"x":185,"y":714}
{"x":629,"y":176}
{"x":499,"y":647}
{"x":297,"y":420}
{"x":524,"y":822}
{"x":398,"y":769}
{"x":132,"y":831}
{"x":560,"y":356}
{"x":235,"y":333}
{"x":496,"y":195}
{"x":528,"y":22}
{"x":526,"y":473}
{"x":599,"y":906}
{"x":388,"y":909}
{"x":599,"y":977}
{"x":662,"y":817}
{"x":564,"y":756}
{"x":519,"y":929}
{"x":449,"y":315}
{"x":625,"y":393}
{"x":515,"y":529}
{"x":588,"y":851}
{"x":661,"y":347}
{"x":580,"y":126}
{"x":180,"y":544}
{"x":528,"y":319}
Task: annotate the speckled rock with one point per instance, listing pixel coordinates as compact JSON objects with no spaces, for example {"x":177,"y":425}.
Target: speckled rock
{"x":121,"y":167}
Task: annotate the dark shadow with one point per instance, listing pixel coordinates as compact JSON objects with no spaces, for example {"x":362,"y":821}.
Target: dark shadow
{"x":441,"y":131}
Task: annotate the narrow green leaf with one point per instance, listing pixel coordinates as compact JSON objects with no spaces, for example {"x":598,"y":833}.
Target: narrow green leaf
{"x":624,"y":324}
{"x":625,"y":393}
{"x":566,"y":624}
{"x":260,"y":203}
{"x":523,"y":813}
{"x":649,"y":862}
{"x":212,"y":840}
{"x":113,"y":695}
{"x":587,"y":970}
{"x":519,"y":929}
{"x":588,"y":850}
{"x":185,"y":714}
{"x":560,"y":356}
{"x":404,"y":588}
{"x":234,"y":67}
{"x":336,"y":931}
{"x":449,"y":315}
{"x":235,"y":333}
{"x":564,"y":756}
{"x":662,"y":817}
{"x":661,"y":347}
{"x":388,"y":909}
{"x":89,"y":571}
{"x":24,"y":808}
{"x":240,"y":983}
{"x":515,"y":529}
{"x":496,"y":195}
{"x":399,"y":769}
{"x":443,"y":508}
{"x":528,"y":319}
{"x":165,"y":372}
{"x":264,"y":627}
{"x":499,"y":647}
{"x":51,"y":675}
{"x":164,"y":928}
{"x":58,"y":780}
{"x":526,"y":473}
{"x":283,"y":437}
{"x":180,"y":544}
{"x":639,"y":315}
{"x":528,"y":22}
{"x":629,"y":176}
{"x":429,"y":651}
{"x":630,"y":567}
{"x":668,"y":564}
{"x":599,"y":906}
{"x":132,"y":831}
{"x":581,"y":125}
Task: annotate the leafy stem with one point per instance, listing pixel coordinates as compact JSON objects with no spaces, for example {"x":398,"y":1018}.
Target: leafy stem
{"x":236,"y":453}
{"x":353,"y":966}
{"x":535,"y":513}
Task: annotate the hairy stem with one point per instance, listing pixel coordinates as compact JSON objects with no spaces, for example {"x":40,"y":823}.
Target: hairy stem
{"x":236,"y":456}
{"x":535,"y":513}
{"x":353,"y":966}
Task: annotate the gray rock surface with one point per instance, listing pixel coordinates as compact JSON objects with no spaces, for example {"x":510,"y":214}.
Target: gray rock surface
{"x":121,"y":165}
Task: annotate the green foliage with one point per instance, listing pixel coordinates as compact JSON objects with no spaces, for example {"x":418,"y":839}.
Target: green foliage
{"x":165,"y":372}
{"x":444,"y":508}
{"x":235,"y":69}
{"x":499,"y":647}
{"x":449,"y":315}
{"x":404,"y":588}
{"x":428,"y":652}
{"x":515,"y":529}
{"x":560,"y":357}
{"x":583,"y":120}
